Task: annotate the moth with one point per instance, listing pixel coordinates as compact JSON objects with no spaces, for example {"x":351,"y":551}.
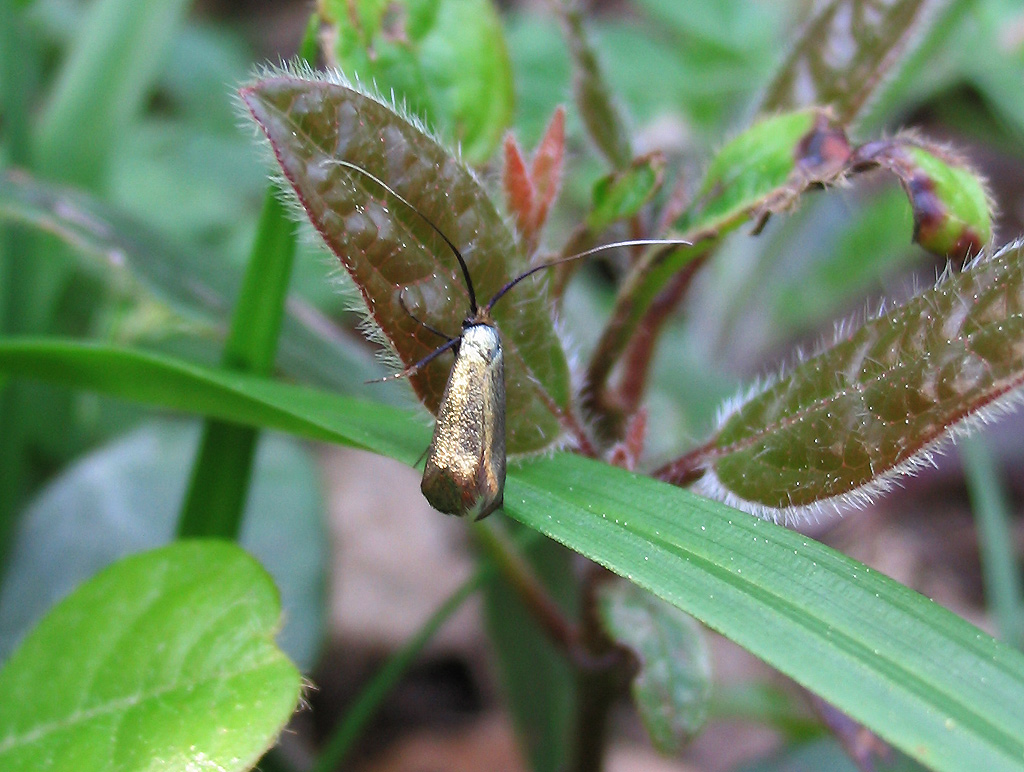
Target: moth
{"x":464,"y":473}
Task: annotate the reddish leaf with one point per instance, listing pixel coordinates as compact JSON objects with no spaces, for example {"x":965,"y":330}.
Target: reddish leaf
{"x":518,"y":188}
{"x":839,"y":426}
{"x":393,"y":255}
{"x":546,"y":169}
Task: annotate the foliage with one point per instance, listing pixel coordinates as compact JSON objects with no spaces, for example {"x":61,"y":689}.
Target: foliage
{"x":131,"y":220}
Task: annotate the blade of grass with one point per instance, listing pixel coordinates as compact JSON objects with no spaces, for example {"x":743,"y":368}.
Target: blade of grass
{"x":18,"y":69}
{"x":924,"y":679}
{"x":215,"y":501}
{"x":1000,"y":567}
{"x":359,"y":714}
{"x":196,"y":283}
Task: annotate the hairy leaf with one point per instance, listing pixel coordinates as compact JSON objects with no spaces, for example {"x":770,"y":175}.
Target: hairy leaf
{"x":673,"y":686}
{"x":952,"y":209}
{"x":838,"y":426}
{"x":395,"y":258}
{"x":845,"y":52}
{"x":164,"y":660}
{"x":446,"y":59}
{"x":763,"y":170}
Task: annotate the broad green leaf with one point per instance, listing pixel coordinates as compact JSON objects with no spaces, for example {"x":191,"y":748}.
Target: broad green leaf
{"x":536,"y":679}
{"x":621,"y":195}
{"x":837,"y":427}
{"x":198,"y":284}
{"x":446,"y":59}
{"x":924,"y":679}
{"x":395,"y":258}
{"x":844,"y":53}
{"x":673,"y":685}
{"x":164,"y":661}
{"x":123,"y":498}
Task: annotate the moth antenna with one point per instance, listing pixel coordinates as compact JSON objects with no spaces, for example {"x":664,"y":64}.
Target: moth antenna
{"x":420,"y":322}
{"x":427,"y":220}
{"x":415,"y":367}
{"x":579,"y":255}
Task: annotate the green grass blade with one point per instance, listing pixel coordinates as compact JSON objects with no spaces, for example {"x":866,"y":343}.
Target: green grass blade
{"x":370,"y":698}
{"x":219,"y":486}
{"x":1002,"y":570}
{"x":925,"y":680}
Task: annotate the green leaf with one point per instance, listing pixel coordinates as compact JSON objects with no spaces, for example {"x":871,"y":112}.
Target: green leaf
{"x":844,"y":53}
{"x":123,"y":498}
{"x":601,"y":115}
{"x":536,"y":679}
{"x":1001,"y":567}
{"x":621,"y":195}
{"x":395,"y":258}
{"x":446,"y":59}
{"x":163,"y":661}
{"x":838,"y":426}
{"x":952,"y":208}
{"x":763,"y":170}
{"x":673,"y":686}
{"x":925,"y":680}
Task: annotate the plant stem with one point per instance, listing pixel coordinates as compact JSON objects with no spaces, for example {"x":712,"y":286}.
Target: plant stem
{"x":502,"y":552}
{"x":348,"y":730}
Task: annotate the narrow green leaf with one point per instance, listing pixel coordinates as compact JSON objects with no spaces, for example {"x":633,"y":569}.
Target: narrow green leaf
{"x":601,"y":115}
{"x":925,"y":680}
{"x":1004,"y":588}
{"x":246,"y":399}
{"x":536,"y":678}
{"x":215,"y":501}
{"x":837,"y":427}
{"x":844,"y":53}
{"x":165,"y":660}
{"x":344,"y":736}
{"x":395,"y":258}
{"x":447,"y":60}
{"x":673,"y":686}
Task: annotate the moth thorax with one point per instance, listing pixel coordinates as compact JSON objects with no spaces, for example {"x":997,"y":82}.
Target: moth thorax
{"x":480,"y":342}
